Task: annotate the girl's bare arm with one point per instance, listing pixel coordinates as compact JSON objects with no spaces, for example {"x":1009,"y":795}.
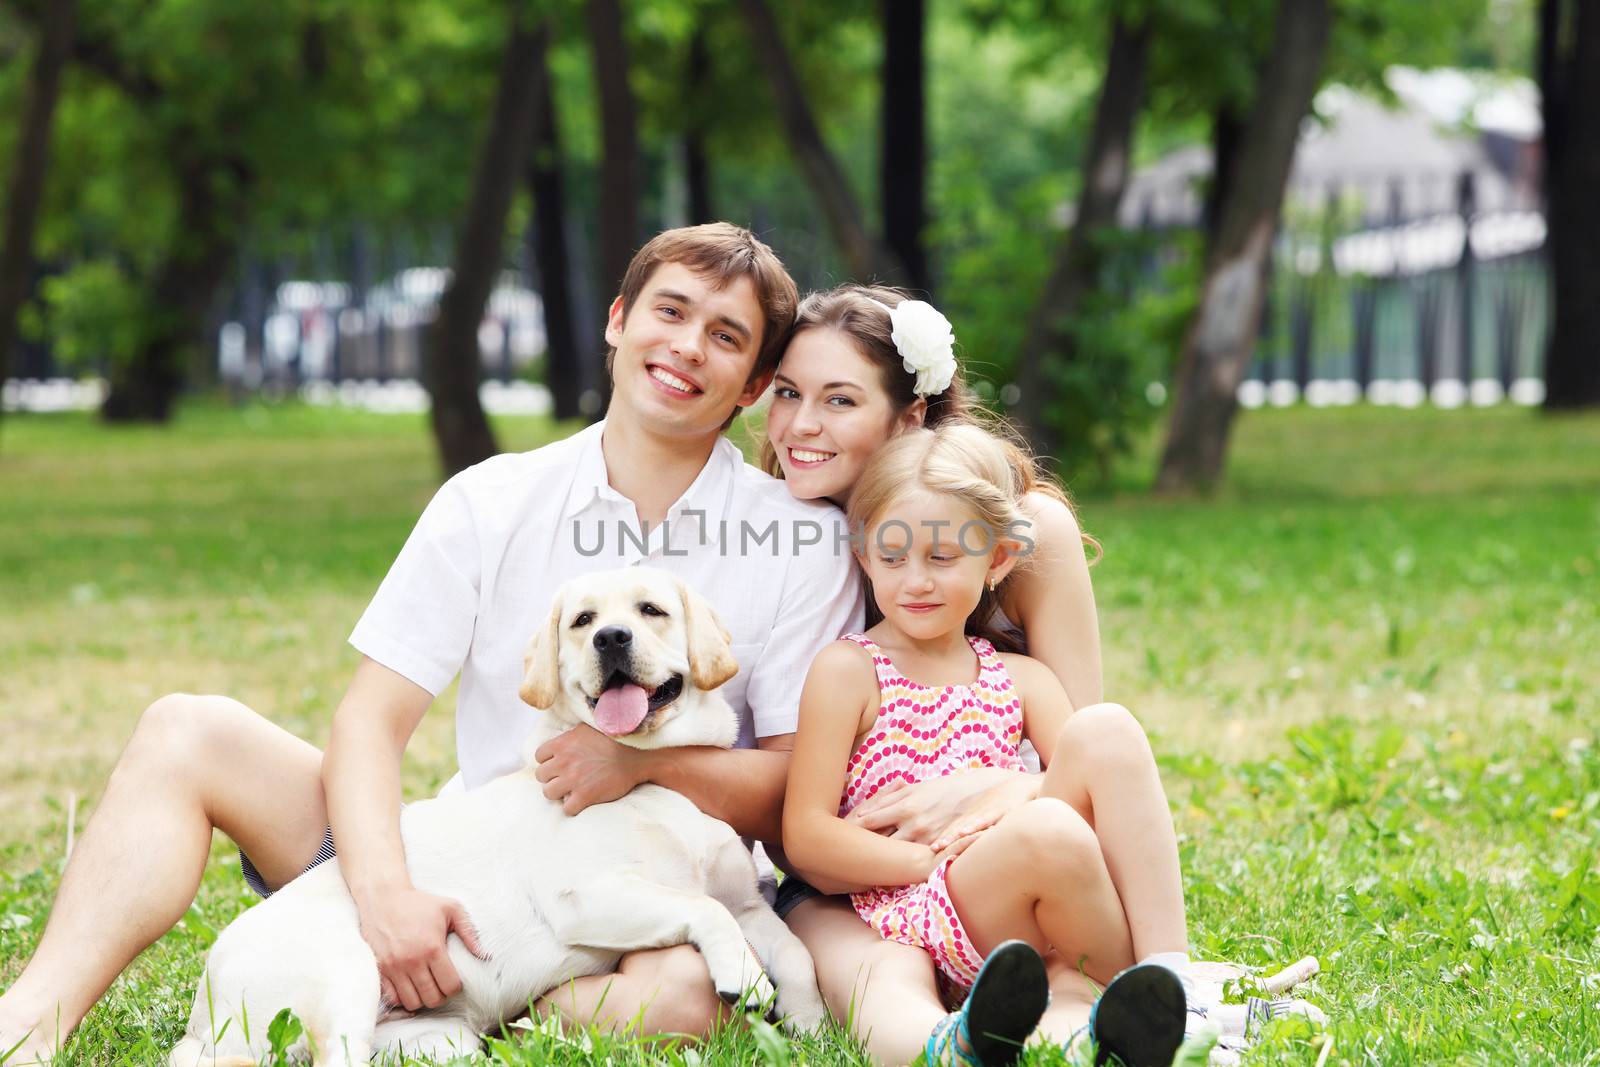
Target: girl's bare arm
{"x":830,"y":853}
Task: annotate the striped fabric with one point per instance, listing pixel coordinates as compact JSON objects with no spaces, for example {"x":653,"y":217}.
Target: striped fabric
{"x":924,"y":732}
{"x":258,"y":884}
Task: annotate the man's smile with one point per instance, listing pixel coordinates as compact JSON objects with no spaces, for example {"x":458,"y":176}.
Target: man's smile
{"x":673,"y":382}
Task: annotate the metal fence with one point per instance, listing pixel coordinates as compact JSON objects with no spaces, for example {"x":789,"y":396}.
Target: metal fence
{"x":1405,"y":292}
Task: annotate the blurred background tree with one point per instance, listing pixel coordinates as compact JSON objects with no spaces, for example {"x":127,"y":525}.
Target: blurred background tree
{"x":203,"y":155}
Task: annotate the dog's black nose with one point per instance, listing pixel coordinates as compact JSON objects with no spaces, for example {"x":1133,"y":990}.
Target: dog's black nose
{"x":614,"y":638}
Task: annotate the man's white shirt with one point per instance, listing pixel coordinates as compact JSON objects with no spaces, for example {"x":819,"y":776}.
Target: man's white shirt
{"x":479,"y":572}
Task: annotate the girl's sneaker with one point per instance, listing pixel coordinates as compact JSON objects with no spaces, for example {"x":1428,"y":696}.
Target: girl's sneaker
{"x":1139,"y":1019}
{"x":1002,"y":1009}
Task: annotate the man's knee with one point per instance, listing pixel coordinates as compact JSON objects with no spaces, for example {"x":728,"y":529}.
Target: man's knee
{"x":676,"y":991}
{"x":183,"y":732}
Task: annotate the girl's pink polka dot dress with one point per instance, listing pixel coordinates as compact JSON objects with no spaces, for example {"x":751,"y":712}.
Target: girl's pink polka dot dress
{"x":926,"y":732}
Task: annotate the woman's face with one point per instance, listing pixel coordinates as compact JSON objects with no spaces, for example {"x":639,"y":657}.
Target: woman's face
{"x":829,"y":414}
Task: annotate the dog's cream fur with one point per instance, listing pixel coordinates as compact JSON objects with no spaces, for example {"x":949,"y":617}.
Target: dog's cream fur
{"x":553,"y":897}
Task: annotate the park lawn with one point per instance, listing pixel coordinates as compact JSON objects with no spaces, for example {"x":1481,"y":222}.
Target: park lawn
{"x":1370,"y":666}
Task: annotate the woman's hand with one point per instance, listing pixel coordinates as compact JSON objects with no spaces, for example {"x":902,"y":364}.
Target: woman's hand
{"x":931,"y":812}
{"x":990,"y":807}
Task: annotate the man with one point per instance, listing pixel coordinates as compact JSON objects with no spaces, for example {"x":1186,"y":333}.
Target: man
{"x":696,"y":333}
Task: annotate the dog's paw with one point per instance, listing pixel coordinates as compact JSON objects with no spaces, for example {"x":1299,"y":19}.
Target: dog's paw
{"x":805,"y":1017}
{"x":758,"y":998}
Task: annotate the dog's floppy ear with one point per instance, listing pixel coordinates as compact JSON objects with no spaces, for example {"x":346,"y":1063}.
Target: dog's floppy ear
{"x":541,"y":667}
{"x":711,"y":659}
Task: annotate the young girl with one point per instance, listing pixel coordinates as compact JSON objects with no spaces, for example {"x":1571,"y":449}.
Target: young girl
{"x":923,"y":694}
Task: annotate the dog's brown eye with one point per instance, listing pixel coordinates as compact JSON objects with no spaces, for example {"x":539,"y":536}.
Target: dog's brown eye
{"x":648,"y":608}
{"x":584,"y":618}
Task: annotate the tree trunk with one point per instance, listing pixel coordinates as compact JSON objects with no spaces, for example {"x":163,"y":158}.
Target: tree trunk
{"x":697,"y":175}
{"x":562,"y":360}
{"x":452,"y":365}
{"x":620,"y":164}
{"x":201,"y":259}
{"x":28,"y":175}
{"x":865,"y":258}
{"x":903,"y":172}
{"x":697,"y":166}
{"x":1226,"y":129}
{"x":1222,"y":337}
{"x":1569,"y":75}
{"x":619,"y":136}
{"x":1051,"y":337}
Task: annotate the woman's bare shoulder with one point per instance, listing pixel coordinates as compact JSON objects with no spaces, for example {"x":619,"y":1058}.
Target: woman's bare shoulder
{"x":1050,"y":512}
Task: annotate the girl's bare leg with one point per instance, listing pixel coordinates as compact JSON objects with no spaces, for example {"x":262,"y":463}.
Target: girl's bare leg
{"x":883,"y":991}
{"x":1038,"y":875}
{"x":1104,"y":768}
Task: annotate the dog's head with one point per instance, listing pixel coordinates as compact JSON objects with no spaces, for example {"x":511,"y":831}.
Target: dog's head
{"x":630,"y":652}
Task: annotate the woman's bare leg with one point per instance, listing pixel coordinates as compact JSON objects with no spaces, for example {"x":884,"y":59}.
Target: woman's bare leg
{"x":883,"y":991}
{"x":1072,"y":995}
{"x":1104,"y":768}
{"x":193,"y":764}
{"x":1038,"y":875}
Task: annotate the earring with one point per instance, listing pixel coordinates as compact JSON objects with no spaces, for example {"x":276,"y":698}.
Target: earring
{"x":992,"y":584}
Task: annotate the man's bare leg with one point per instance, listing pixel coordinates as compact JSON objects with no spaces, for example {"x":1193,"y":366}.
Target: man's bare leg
{"x":884,"y":992}
{"x":193,"y":763}
{"x":656,"y":991}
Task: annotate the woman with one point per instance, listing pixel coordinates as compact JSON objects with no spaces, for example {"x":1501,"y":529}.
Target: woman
{"x":863,"y":364}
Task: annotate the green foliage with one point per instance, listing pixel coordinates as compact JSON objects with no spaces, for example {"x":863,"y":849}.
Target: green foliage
{"x":95,"y":313}
{"x":1125,"y":335}
{"x":311,"y":117}
{"x":282,"y":1033}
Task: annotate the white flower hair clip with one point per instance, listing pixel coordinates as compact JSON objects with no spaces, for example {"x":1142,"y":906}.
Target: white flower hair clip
{"x":926,"y":343}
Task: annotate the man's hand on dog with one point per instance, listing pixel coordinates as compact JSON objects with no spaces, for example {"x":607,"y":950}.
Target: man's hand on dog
{"x":406,"y":929}
{"x":583,"y":766}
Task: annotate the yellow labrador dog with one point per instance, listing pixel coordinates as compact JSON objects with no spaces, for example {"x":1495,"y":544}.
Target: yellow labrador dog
{"x":637,"y":655}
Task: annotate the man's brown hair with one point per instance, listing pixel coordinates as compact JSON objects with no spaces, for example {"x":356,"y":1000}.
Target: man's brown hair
{"x":723,"y":253}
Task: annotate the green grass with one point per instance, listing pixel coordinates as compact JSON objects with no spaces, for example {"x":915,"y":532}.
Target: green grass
{"x":1370,"y":666}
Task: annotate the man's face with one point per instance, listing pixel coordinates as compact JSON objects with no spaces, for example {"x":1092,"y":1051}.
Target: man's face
{"x":685,"y":352}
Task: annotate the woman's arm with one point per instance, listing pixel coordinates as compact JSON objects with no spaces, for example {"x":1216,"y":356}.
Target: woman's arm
{"x":1053,"y":601}
{"x":1045,"y":705}
{"x":832,"y":854}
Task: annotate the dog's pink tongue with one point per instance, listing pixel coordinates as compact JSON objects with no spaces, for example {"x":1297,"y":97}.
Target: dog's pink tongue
{"x":621,"y":710}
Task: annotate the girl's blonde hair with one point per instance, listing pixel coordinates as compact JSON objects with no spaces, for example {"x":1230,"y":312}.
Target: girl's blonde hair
{"x":986,"y":471}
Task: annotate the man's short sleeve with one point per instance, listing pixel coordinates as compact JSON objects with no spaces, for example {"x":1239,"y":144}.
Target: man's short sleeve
{"x":420,"y":621}
{"x":822,"y":598}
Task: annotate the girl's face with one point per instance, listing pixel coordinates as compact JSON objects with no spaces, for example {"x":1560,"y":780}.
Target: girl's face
{"x":829,"y":414}
{"x":928,"y":557}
